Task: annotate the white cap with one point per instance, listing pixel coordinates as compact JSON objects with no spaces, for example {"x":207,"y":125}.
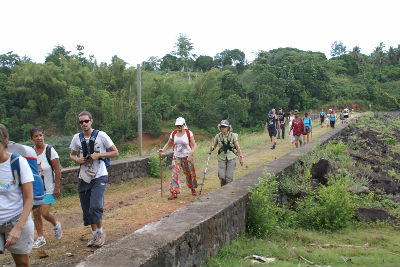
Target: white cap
{"x":180,"y":121}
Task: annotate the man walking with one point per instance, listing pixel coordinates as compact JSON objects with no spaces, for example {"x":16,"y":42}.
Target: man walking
{"x":93,"y":176}
{"x":271,"y":123}
{"x":282,"y":123}
{"x":298,"y":128}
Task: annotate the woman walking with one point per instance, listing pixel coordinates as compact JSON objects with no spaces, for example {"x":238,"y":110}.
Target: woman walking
{"x":184,"y":147}
{"x":229,"y":149}
{"x":16,"y":202}
{"x":307,"y":127}
{"x":50,"y":171}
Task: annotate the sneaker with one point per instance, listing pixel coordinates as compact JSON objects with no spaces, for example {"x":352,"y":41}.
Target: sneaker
{"x":58,"y":232}
{"x":99,"y":239}
{"x":40,"y":242}
{"x":91,"y":241}
{"x":172,"y":197}
{"x":194,"y":193}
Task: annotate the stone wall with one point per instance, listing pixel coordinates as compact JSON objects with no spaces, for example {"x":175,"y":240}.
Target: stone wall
{"x":198,"y":230}
{"x":119,"y":170}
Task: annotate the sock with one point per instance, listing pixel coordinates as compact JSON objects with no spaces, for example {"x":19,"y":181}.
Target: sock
{"x":100,"y":230}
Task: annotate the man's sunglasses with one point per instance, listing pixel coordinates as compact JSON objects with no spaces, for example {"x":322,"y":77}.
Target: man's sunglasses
{"x":84,"y":121}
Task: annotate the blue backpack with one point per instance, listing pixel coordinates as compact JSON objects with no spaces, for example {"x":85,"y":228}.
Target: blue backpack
{"x":88,"y":149}
{"x":38,"y":186}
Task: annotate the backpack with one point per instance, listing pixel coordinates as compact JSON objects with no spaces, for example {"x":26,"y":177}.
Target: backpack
{"x":229,"y":146}
{"x":38,"y":186}
{"x":90,"y":146}
{"x":173,"y":137}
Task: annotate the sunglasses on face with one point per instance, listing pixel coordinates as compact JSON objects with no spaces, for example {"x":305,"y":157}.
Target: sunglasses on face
{"x":84,"y":121}
{"x":179,"y":126}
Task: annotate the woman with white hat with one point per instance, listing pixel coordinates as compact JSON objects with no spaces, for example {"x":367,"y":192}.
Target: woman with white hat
{"x":228,"y":150}
{"x":184,"y":147}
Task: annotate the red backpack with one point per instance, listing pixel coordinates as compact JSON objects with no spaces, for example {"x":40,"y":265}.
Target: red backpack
{"x":173,"y":137}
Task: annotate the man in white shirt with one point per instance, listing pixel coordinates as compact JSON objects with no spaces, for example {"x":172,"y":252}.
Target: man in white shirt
{"x":93,"y":175}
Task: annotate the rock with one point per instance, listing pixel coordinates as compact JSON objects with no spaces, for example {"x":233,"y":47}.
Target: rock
{"x":358,"y":189}
{"x":387,"y":185}
{"x":320,"y":169}
{"x":373,"y":214}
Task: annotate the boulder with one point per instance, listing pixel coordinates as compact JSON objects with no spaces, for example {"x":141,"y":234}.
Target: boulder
{"x":373,"y":214}
{"x":320,"y":169}
{"x":358,"y":189}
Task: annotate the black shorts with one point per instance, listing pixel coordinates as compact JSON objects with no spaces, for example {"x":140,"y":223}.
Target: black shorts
{"x":322,"y":119}
{"x":272,"y":132}
{"x":346,"y":116}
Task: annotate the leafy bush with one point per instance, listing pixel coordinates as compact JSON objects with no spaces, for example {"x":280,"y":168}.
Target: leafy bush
{"x":330,"y":208}
{"x":154,"y":165}
{"x":263,"y":211}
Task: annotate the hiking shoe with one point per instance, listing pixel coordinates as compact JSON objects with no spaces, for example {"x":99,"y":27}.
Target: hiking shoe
{"x":172,"y":197}
{"x":58,"y":230}
{"x":99,"y":240}
{"x":40,"y":242}
{"x":91,"y":241}
{"x":194,"y":193}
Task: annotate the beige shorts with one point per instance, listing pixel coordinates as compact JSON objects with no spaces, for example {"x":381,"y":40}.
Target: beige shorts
{"x":25,"y":241}
{"x":297,"y":138}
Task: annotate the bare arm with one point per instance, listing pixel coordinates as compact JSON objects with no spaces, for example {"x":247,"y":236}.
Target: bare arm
{"x":166,"y":146}
{"x":113,"y":153}
{"x":240,"y":152}
{"x":74,"y":157}
{"x":55,"y":163}
{"x":194,"y":145}
{"x":15,"y":233}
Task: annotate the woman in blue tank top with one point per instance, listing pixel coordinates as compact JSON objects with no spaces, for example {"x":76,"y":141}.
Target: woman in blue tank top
{"x":307,"y":127}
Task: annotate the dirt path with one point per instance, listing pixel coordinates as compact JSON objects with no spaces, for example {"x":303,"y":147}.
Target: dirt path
{"x":131,"y":205}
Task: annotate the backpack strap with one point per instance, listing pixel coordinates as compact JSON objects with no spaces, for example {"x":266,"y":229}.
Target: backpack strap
{"x":48,"y":157}
{"x":88,"y":149}
{"x":15,"y":169}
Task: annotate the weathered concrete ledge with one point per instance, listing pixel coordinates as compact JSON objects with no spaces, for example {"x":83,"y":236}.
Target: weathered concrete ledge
{"x":198,"y":230}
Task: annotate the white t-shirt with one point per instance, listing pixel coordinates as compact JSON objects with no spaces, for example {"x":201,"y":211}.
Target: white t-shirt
{"x":11,"y":199}
{"x":46,"y":169}
{"x":346,"y":111}
{"x":103,"y":141}
{"x":181,"y":144}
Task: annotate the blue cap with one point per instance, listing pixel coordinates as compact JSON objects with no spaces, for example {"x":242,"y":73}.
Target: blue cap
{"x":270,"y":112}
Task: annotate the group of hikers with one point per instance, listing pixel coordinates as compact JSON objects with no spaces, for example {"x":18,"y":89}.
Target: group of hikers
{"x":91,"y":149}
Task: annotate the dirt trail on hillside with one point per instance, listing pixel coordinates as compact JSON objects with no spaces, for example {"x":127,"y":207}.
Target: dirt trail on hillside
{"x":127,"y":211}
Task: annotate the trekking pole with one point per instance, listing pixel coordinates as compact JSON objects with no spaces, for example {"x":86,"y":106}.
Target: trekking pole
{"x":161,"y":174}
{"x":205,"y":171}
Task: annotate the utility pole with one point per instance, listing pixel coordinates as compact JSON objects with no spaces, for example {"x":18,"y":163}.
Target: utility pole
{"x":139,"y":95}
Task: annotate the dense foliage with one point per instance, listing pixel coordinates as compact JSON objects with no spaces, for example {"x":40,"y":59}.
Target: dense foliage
{"x":203,"y":89}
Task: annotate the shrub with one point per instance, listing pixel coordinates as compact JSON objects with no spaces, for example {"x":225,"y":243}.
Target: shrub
{"x":330,"y":208}
{"x":263,"y":211}
{"x":154,"y":165}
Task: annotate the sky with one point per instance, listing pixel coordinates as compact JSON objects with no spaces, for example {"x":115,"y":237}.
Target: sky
{"x":136,"y":30}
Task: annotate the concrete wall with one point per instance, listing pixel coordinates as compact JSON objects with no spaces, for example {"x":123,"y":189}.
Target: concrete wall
{"x":119,"y":171}
{"x":198,"y":230}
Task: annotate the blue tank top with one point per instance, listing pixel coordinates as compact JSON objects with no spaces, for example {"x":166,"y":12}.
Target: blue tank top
{"x":307,"y":122}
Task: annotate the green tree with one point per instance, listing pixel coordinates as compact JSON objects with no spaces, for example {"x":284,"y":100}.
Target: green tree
{"x":338,"y":49}
{"x":183,"y":48}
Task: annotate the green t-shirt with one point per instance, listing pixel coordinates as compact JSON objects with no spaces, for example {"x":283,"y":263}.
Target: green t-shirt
{"x":229,"y":140}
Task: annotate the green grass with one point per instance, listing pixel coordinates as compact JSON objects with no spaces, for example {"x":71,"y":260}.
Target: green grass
{"x":288,"y":244}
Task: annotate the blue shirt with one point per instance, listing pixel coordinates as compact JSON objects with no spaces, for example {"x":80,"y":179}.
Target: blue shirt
{"x":307,"y":122}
